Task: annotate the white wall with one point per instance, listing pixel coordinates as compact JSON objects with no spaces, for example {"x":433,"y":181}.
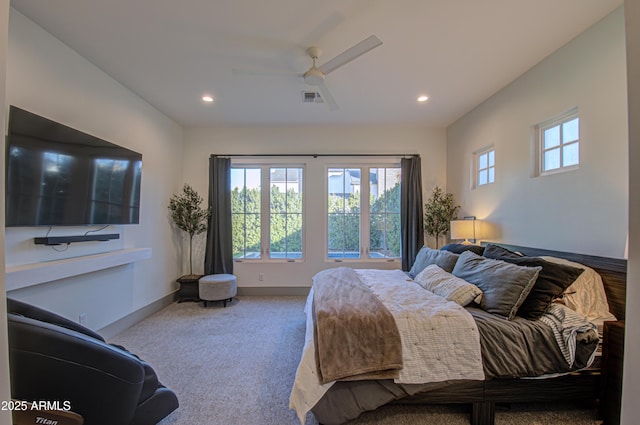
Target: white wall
{"x":580,"y":211}
{"x":48,"y":78}
{"x":201,"y":143}
{"x":631,"y":384}
{"x":5,"y":391}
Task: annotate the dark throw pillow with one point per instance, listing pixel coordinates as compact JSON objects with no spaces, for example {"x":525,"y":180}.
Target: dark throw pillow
{"x":499,"y":253}
{"x":458,"y":248}
{"x":552,"y":281}
{"x":505,"y":286}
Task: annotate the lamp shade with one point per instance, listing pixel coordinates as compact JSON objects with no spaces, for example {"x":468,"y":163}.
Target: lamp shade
{"x":463,"y":229}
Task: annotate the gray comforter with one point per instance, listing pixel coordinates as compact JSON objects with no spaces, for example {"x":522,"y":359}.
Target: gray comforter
{"x":525,"y":348}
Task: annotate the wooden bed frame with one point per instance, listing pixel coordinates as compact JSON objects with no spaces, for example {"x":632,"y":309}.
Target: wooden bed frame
{"x":581,"y":385}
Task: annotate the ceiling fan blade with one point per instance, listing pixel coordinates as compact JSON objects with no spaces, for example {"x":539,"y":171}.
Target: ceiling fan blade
{"x":328,"y":97}
{"x":236,"y":71}
{"x":350,"y":54}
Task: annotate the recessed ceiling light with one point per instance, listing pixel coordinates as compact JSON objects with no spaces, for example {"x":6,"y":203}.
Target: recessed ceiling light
{"x":207,"y":98}
{"x":423,"y":98}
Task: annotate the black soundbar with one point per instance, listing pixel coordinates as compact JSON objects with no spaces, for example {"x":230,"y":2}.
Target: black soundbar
{"x":59,"y":240}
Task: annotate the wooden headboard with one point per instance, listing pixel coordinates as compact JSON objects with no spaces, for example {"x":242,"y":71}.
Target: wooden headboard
{"x":612,"y":270}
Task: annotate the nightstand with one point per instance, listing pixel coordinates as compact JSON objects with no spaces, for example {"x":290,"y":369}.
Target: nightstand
{"x":612,"y":361}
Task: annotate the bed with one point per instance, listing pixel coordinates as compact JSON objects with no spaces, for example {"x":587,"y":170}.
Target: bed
{"x":339,"y":395}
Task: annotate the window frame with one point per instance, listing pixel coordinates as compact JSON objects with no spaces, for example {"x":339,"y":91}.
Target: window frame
{"x":365,"y":210}
{"x":265,"y":210}
{"x":475,"y":166}
{"x":539,"y":141}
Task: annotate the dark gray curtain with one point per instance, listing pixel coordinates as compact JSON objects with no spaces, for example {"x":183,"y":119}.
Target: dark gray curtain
{"x":411,"y":213}
{"x":218,"y":256}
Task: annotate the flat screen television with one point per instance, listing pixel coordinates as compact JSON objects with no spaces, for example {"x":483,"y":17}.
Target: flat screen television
{"x":59,"y":176}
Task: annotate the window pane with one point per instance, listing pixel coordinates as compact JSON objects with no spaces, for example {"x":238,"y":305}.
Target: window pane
{"x":344,"y":212}
{"x":482,"y":177}
{"x":336,"y":233}
{"x":344,"y":181}
{"x":384,"y":236}
{"x":570,"y":154}
{"x":352,"y":235}
{"x":552,"y":159}
{"x":253,"y":185}
{"x":492,"y":175}
{"x":285,"y":220}
{"x":237,"y":190}
{"x":552,"y":137}
{"x":252,"y":231}
{"x":246,"y":235}
{"x":482,"y":161}
{"x":286,"y":236}
{"x":570,"y":131}
{"x":492,"y":158}
{"x":393,"y":236}
{"x":245,"y":212}
{"x":384,"y":188}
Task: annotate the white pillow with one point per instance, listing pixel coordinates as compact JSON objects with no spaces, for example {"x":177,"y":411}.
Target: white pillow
{"x":586,"y":294}
{"x":446,"y":285}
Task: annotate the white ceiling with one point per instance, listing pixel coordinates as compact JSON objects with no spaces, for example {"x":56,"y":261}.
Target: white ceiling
{"x":458,"y":52}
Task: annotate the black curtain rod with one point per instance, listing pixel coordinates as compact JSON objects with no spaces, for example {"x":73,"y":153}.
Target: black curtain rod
{"x":316,"y":155}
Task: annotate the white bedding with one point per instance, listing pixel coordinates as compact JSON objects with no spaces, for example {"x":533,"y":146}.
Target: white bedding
{"x":440,"y":340}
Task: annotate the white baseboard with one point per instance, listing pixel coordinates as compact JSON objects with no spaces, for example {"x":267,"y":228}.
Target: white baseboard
{"x":274,"y":290}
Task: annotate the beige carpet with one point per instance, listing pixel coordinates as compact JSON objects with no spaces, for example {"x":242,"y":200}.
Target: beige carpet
{"x":236,"y":365}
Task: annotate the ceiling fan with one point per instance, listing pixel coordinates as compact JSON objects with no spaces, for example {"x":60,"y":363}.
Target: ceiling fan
{"x":315,"y":76}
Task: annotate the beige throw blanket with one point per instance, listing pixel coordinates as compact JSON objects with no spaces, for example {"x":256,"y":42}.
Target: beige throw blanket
{"x":356,"y":337}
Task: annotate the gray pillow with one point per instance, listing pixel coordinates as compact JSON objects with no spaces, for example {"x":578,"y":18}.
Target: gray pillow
{"x":504,"y":286}
{"x":427,"y":256}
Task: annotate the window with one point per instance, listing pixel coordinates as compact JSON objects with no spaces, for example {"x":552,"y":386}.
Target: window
{"x":559,"y":143}
{"x":343,"y":224}
{"x":285,"y":234}
{"x":267,"y":215}
{"x":486,"y":167}
{"x":384,"y":215}
{"x":363,"y":212}
{"x":246,"y":208}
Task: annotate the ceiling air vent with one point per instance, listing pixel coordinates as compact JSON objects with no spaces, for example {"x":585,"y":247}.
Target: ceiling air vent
{"x":311,"y":97}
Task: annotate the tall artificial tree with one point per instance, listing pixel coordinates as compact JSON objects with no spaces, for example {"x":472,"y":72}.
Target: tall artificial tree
{"x":438,"y":213}
{"x":187,"y":215}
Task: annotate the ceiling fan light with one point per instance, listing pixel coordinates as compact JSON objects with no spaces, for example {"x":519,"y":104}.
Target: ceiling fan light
{"x":423,"y":98}
{"x":206,"y":98}
{"x":314,"y":77}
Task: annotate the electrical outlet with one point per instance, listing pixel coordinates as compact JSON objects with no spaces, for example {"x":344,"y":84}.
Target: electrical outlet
{"x":82,"y":319}
{"x":260,"y":277}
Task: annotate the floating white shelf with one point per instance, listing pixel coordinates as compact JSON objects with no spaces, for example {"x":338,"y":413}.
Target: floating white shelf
{"x":26,"y":275}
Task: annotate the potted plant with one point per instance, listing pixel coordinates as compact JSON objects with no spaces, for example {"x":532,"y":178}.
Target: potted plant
{"x":187,"y":215}
{"x":438,"y":213}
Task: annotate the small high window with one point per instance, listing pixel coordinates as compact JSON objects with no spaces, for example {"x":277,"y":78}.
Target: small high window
{"x":487,"y":167}
{"x":483,"y":167}
{"x":558,"y":143}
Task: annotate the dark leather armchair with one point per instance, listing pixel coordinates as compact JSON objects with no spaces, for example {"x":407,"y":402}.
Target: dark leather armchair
{"x":52,"y":358}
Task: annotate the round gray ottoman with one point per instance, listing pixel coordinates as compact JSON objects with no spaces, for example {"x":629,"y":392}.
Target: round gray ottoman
{"x":217,"y":287}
